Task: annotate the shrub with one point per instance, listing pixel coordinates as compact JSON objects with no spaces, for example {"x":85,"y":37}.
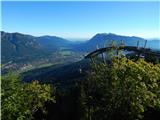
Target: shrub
{"x":122,"y":90}
{"x":21,"y":100}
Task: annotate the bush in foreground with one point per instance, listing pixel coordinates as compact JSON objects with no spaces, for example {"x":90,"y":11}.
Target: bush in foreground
{"x":122,"y":90}
{"x":21,"y":100}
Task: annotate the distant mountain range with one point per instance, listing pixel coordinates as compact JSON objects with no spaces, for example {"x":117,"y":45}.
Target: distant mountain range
{"x":20,"y":46}
{"x":17,"y":46}
{"x":103,"y":39}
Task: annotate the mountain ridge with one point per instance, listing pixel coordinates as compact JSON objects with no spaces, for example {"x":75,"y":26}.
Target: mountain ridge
{"x":17,"y":45}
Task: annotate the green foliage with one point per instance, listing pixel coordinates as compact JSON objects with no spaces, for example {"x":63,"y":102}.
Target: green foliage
{"x":122,"y":90}
{"x":152,"y":58}
{"x":21,"y":100}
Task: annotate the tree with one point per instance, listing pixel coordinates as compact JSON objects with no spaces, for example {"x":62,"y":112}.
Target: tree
{"x":21,"y":100}
{"x":122,"y":90}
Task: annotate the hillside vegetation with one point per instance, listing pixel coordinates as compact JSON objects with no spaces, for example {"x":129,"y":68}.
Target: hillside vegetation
{"x":123,"y":90}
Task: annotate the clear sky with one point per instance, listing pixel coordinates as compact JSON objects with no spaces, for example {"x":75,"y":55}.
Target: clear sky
{"x":82,"y":19}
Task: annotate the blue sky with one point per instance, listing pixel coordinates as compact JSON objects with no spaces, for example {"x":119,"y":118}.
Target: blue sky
{"x":82,"y":19}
